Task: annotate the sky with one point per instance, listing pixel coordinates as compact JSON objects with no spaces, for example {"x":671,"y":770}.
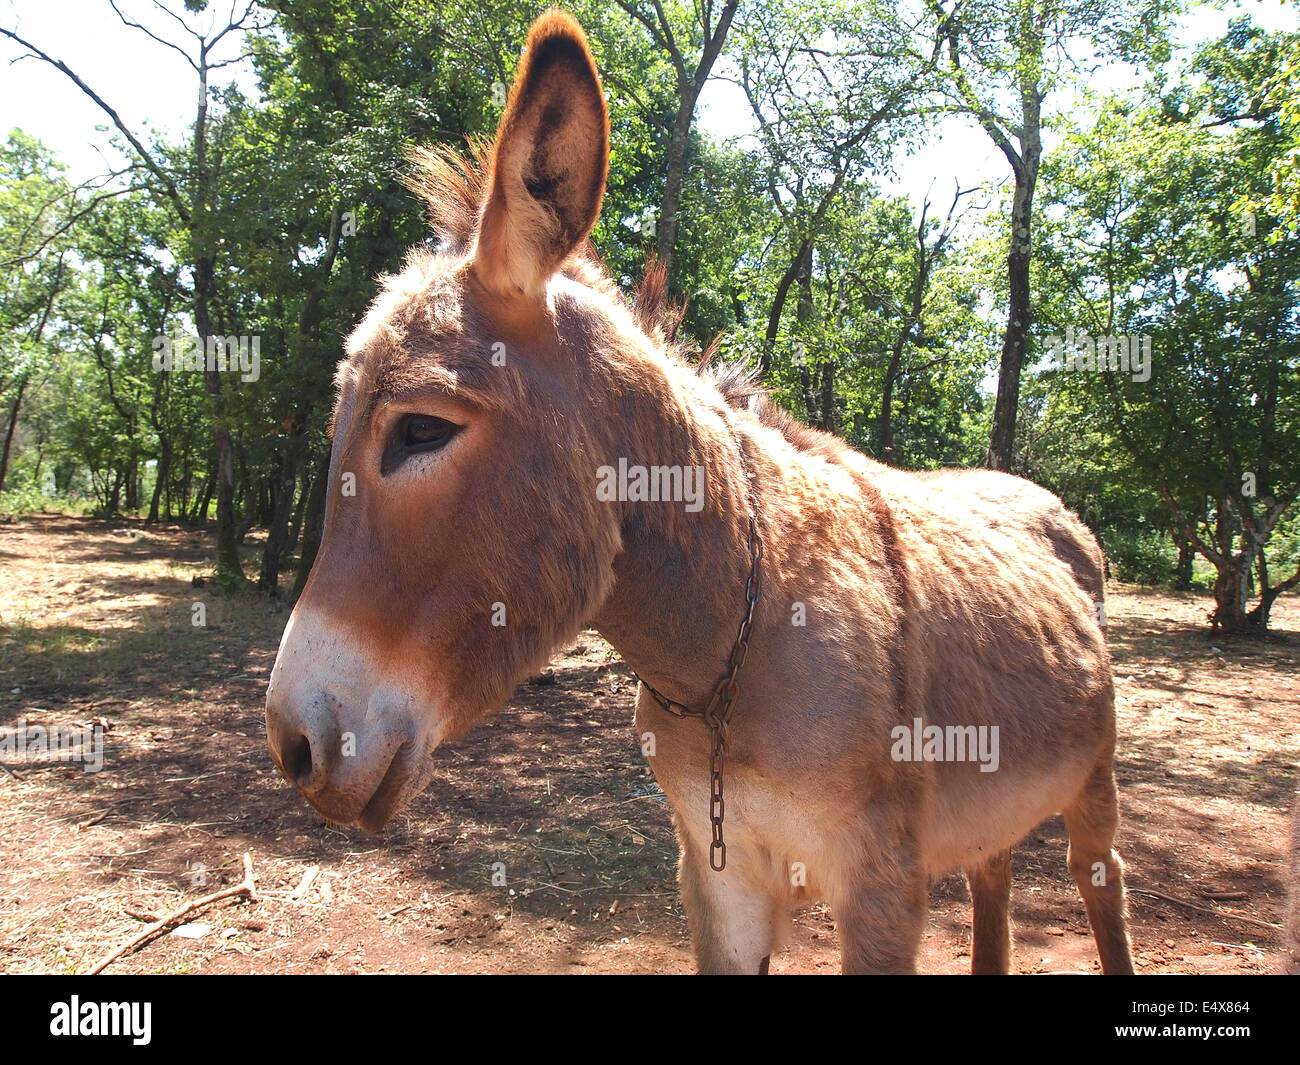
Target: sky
{"x":153,"y":87}
{"x":958,"y":150}
{"x":147,"y":84}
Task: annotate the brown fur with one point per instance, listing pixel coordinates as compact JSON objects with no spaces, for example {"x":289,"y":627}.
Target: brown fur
{"x":959,"y":597}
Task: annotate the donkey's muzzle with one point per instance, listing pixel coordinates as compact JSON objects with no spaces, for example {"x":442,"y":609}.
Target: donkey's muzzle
{"x":345,"y":731}
{"x":360,"y":777}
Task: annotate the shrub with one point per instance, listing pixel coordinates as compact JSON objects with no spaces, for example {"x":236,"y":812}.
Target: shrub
{"x":1142,"y":556}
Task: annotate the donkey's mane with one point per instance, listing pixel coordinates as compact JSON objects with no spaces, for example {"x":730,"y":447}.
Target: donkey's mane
{"x":453,"y":184}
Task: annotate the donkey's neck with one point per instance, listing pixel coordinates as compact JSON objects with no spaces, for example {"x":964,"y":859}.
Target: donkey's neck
{"x":679,"y":593}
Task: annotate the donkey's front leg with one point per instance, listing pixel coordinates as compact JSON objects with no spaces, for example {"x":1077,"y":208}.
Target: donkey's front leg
{"x":990,"y":892}
{"x":732,"y":917}
{"x":880,"y":907}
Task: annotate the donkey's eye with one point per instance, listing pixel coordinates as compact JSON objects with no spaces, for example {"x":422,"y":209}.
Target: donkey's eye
{"x":422,"y":432}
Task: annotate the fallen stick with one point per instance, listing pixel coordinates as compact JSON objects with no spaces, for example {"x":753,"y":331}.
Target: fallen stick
{"x":305,"y":886}
{"x":246,"y":887}
{"x":1204,"y":909}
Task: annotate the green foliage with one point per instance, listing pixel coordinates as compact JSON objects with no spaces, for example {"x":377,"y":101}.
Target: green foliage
{"x":1139,"y":556}
{"x":1183,"y":249}
{"x":1170,"y":211}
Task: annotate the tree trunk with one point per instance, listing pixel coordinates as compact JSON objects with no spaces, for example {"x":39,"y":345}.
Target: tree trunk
{"x":802,"y":252}
{"x":160,"y":482}
{"x":202,"y":243}
{"x":1183,"y":574}
{"x":247,"y":514}
{"x":282,"y":509}
{"x":22,"y":384}
{"x":1024,"y":165}
{"x":1257,"y":618}
{"x":187,"y":484}
{"x":199,"y":514}
{"x":229,"y":566}
{"x":312,"y":526}
{"x":688,"y":87}
{"x":1002,"y":439}
{"x":9,"y":431}
{"x":295,"y":526}
{"x":679,"y":142}
{"x":1230,"y":597}
{"x":133,"y":482}
{"x":829,"y":419}
{"x":113,"y":497}
{"x":809,"y":398}
{"x":886,"y":424}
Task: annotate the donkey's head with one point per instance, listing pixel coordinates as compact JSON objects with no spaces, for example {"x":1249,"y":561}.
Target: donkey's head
{"x":463,"y":540}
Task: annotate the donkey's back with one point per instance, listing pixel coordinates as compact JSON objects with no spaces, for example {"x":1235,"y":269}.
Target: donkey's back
{"x":1005,"y":632}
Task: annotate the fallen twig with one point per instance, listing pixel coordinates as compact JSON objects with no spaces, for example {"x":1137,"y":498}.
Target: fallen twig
{"x":305,"y":886}
{"x":1204,"y":909}
{"x":246,"y":887}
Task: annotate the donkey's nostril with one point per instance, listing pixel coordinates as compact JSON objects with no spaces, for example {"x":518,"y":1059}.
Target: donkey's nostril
{"x":297,"y":759}
{"x":303,"y":736}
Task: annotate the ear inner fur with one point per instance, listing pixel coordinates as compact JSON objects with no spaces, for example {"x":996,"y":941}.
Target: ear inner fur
{"x":550,"y":163}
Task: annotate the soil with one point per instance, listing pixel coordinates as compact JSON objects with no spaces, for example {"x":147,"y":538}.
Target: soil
{"x":542,"y":845}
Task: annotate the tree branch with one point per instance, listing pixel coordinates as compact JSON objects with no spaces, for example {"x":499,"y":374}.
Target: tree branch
{"x":168,"y":185}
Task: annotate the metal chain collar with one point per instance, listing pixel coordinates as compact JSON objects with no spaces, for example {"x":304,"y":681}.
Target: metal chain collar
{"x":717,"y":714}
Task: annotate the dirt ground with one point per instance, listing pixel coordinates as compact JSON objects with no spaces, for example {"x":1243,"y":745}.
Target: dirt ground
{"x":552,"y":793}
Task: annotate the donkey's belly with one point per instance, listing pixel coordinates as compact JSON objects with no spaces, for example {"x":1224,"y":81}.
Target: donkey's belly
{"x":972,"y":819}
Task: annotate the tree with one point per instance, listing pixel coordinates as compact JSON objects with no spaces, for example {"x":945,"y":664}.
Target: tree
{"x":692,"y":41}
{"x":833,"y":90}
{"x":193,"y":190}
{"x":37,"y":211}
{"x":1003,"y":59}
{"x":1211,"y":421}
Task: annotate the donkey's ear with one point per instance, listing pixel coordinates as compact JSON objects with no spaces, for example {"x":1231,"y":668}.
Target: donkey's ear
{"x":551,"y":159}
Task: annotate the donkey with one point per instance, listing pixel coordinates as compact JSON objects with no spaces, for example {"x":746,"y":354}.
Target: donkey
{"x":881,"y":614}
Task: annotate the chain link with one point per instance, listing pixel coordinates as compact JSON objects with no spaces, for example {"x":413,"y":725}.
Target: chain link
{"x":717,"y":715}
